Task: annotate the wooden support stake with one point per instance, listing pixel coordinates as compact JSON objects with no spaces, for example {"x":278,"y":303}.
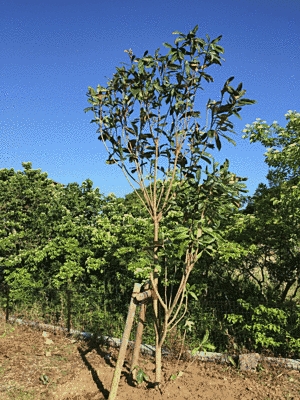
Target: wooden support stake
{"x":142,"y":297}
{"x":139,"y":334}
{"x":124,"y":343}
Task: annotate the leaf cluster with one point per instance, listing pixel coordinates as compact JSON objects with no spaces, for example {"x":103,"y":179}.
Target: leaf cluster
{"x":147,"y":111}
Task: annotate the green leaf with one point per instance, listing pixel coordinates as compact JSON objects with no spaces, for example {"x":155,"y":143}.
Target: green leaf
{"x":218,"y":142}
{"x":140,"y":376}
{"x":173,"y":377}
{"x":179,"y":39}
{"x":193,"y":294}
{"x":232,"y":361}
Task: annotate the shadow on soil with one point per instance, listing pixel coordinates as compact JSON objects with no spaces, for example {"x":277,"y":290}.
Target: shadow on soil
{"x":111,"y":362}
{"x":91,"y":346}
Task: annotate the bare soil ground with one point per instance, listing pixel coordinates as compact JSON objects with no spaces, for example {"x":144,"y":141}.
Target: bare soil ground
{"x":37,"y":365}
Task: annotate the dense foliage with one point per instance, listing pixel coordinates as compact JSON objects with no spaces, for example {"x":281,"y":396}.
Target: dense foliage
{"x":55,"y":238}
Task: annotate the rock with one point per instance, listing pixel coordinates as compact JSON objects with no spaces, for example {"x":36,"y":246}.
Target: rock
{"x":248,"y":362}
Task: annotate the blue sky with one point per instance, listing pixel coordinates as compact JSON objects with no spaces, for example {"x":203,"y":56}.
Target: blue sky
{"x":51,"y":51}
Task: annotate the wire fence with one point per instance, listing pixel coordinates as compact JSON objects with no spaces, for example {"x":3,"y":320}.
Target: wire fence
{"x":214,"y":325}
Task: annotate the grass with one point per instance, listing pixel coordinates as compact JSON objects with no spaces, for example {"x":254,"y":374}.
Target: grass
{"x":21,"y":394}
{"x":8,"y":329}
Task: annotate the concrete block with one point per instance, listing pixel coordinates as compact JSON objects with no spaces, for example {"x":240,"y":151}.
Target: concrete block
{"x":248,"y":362}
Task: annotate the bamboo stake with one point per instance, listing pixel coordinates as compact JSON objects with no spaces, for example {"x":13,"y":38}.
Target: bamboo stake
{"x":124,"y":343}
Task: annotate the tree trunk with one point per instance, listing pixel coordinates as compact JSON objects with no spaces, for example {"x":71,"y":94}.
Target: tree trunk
{"x":287,"y":288}
{"x":6,"y":288}
{"x":158,"y":354}
{"x":157,"y":324}
{"x":138,"y":340}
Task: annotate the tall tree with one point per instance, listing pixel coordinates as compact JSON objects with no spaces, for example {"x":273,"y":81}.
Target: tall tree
{"x":148,"y":120}
{"x":275,"y":222}
{"x":45,"y":228}
{"x":25,"y":225}
{"x":283,"y":146}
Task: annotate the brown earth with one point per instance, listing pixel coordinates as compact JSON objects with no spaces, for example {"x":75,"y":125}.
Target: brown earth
{"x":44,"y":365}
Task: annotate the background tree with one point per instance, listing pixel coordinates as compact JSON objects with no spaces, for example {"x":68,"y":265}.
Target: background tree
{"x":151,"y":128}
{"x":24,"y":222}
{"x":276,"y":209}
{"x":268,"y":232}
{"x":49,"y":237}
